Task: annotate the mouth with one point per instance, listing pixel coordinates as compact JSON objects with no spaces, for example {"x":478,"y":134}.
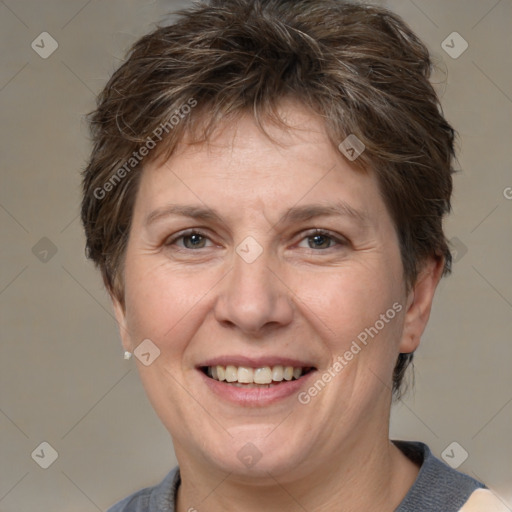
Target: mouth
{"x":259,"y":377}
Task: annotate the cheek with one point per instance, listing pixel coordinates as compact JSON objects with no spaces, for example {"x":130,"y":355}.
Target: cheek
{"x":361,"y":319}
{"x":349,"y":299}
{"x":359,"y":311}
{"x":162,"y":303}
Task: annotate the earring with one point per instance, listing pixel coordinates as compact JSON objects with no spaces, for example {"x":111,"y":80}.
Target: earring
{"x":127,"y":355}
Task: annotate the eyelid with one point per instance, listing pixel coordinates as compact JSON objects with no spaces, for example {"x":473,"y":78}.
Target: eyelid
{"x":339,"y":239}
{"x":187,"y":232}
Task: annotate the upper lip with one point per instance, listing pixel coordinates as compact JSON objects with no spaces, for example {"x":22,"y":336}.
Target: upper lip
{"x":256,"y":362}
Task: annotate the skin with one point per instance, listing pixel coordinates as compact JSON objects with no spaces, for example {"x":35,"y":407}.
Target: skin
{"x":295,"y":301}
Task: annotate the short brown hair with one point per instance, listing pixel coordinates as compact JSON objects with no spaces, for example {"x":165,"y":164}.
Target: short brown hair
{"x":358,"y":66}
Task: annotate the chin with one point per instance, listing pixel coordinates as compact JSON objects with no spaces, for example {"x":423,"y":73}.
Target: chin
{"x":258,"y":451}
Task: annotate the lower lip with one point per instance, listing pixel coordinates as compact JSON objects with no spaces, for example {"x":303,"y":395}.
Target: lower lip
{"x":256,"y":397}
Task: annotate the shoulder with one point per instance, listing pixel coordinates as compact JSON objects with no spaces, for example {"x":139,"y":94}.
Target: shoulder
{"x":437,"y":486}
{"x":160,"y":498}
{"x":483,"y":500}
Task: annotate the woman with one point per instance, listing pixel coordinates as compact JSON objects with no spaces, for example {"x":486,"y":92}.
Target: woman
{"x":265,"y":200}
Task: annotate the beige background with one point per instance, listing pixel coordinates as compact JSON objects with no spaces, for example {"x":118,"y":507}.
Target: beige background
{"x":62,"y":376}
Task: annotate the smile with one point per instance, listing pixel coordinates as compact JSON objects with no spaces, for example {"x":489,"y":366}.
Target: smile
{"x":246,"y":376}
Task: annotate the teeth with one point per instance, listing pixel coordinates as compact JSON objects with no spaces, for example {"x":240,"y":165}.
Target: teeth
{"x":263,"y":375}
{"x":277,"y":373}
{"x":247,"y":377}
{"x":231,"y":373}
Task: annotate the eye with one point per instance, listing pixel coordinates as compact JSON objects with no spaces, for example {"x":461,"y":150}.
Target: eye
{"x":320,"y":239}
{"x":190,"y":240}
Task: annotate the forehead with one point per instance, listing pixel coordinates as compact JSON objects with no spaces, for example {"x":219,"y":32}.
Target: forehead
{"x":241,"y":167}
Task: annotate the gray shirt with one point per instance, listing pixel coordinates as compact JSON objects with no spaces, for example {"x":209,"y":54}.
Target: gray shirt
{"x":438,"y":487}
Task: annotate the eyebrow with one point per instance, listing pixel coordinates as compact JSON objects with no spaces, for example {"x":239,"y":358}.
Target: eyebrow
{"x":292,"y":215}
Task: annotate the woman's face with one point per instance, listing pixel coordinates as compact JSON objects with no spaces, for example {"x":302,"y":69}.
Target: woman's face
{"x":260,"y":256}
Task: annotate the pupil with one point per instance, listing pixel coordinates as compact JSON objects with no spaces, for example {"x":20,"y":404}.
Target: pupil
{"x":195,"y":240}
{"x":320,"y":240}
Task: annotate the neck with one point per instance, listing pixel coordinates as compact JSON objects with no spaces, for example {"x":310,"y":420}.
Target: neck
{"x":364,"y":476}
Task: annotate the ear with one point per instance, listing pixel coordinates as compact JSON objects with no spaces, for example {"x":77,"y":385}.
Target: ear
{"x":419,"y":304}
{"x":120,"y":314}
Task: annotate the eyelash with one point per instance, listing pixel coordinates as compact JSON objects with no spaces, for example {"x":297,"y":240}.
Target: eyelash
{"x":340,"y":241}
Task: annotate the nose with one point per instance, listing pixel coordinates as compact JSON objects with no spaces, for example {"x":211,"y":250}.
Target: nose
{"x":254,"y":298}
